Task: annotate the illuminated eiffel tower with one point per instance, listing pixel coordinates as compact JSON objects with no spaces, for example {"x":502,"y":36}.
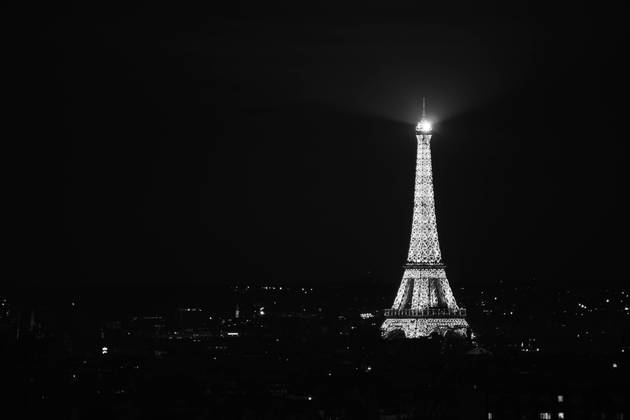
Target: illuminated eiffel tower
{"x":424,"y":303}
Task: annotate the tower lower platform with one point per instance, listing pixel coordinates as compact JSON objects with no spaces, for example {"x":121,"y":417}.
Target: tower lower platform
{"x":417,"y":324}
{"x":424,"y":304}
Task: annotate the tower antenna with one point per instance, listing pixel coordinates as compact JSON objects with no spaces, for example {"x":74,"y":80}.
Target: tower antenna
{"x":424,"y":107}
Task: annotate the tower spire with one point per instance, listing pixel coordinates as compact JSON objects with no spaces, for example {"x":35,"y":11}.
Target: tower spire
{"x":424,"y":108}
{"x":424,"y":125}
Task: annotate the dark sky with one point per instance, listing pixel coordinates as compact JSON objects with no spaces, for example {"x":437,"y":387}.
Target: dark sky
{"x":276,"y":143}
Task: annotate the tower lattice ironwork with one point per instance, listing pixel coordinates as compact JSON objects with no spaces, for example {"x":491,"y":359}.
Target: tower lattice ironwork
{"x":424,"y":302}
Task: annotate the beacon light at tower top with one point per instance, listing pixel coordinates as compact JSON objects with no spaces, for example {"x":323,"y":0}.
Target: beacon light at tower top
{"x":424,"y":126}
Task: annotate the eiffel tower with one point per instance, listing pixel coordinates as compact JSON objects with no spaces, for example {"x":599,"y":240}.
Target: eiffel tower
{"x":424,"y":303}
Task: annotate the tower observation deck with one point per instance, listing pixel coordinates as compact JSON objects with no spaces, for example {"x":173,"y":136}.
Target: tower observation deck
{"x":424,"y":303}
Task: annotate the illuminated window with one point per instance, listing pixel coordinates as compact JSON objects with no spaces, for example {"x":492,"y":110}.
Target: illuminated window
{"x":561,"y":415}
{"x":489,"y":416}
{"x":560,"y":398}
{"x":545,"y":416}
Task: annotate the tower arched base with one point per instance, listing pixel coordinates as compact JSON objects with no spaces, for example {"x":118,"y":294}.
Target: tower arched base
{"x":422,"y":327}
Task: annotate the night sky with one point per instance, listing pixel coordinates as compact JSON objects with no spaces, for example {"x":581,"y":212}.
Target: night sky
{"x":255,"y":145}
